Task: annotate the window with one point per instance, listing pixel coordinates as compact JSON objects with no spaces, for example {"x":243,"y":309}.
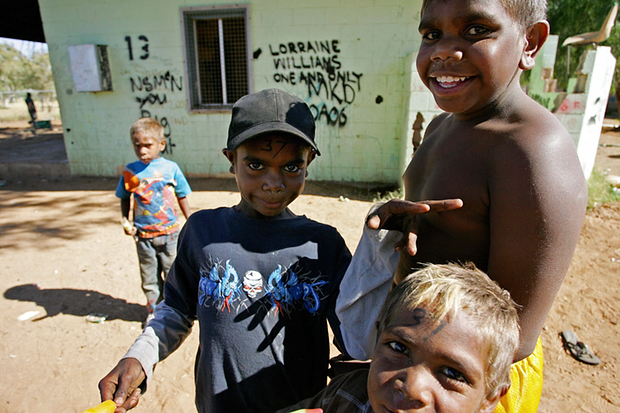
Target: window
{"x":217,"y":55}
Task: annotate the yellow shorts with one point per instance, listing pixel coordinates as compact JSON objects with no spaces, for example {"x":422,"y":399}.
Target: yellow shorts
{"x":526,"y":377}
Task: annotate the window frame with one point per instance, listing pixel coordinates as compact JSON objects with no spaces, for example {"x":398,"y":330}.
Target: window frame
{"x":190,"y":15}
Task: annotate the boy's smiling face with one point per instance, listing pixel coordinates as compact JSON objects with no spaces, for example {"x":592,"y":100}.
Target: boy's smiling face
{"x":421,"y":365}
{"x":470,"y":53}
{"x":270,"y":171}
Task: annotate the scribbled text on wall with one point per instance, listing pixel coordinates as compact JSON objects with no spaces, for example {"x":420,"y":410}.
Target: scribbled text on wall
{"x":317,"y":66}
{"x":151,"y":91}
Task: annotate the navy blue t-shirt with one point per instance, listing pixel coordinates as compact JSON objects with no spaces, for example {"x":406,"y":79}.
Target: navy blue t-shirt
{"x":262,"y":291}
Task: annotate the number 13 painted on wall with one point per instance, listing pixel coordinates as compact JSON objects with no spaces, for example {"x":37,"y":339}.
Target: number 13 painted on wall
{"x":145,"y":48}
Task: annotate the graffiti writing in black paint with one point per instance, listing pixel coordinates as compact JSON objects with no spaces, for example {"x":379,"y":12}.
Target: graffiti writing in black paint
{"x":332,"y":116}
{"x":152,"y":99}
{"x":144,"y":48}
{"x":155,"y":89}
{"x":166,"y":82}
{"x":317,"y":66}
{"x":315,"y":46}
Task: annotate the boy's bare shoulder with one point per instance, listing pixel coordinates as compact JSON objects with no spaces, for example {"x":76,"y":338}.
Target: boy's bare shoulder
{"x":535,"y":150}
{"x":535,"y":132}
{"x":533,"y":117}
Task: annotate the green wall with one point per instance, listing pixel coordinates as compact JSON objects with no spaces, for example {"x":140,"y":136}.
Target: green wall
{"x":375,"y":43}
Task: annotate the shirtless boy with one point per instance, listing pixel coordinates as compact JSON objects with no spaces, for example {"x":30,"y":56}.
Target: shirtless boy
{"x":508,"y":159}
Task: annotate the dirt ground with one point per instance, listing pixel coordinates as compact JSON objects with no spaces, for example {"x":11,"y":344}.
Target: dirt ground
{"x":64,"y":256}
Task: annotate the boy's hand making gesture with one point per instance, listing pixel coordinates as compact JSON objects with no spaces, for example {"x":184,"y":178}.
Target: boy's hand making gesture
{"x":400,"y":215}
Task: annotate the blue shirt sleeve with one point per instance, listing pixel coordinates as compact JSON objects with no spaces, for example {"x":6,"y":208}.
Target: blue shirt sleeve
{"x":182,"y":189}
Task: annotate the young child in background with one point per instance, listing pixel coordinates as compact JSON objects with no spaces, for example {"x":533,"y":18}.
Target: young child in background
{"x":261,"y":281}
{"x":447,"y":336}
{"x":505,"y":165}
{"x":154,"y":183}
{"x":32,"y":111}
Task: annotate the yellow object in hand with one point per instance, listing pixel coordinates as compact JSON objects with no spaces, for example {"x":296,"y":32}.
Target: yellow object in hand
{"x":128,"y":226}
{"x":308,"y":411}
{"x":107,"y":406}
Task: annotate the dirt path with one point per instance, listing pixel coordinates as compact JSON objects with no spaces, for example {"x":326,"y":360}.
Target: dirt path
{"x":64,"y":255}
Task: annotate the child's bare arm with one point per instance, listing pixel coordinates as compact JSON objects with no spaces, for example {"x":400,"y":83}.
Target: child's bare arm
{"x":125,"y":207}
{"x":538,"y":197}
{"x":184,"y":205}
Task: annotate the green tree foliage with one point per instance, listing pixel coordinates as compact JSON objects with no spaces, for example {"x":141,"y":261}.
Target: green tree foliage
{"x":571,"y":17}
{"x":19,"y":72}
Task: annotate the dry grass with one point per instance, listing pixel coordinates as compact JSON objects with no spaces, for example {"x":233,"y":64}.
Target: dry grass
{"x":17,"y":111}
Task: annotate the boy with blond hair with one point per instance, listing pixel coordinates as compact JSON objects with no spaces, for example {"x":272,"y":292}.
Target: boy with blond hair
{"x":154,"y":182}
{"x":447,"y":336}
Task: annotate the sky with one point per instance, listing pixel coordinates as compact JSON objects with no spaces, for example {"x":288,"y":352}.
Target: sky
{"x":24,"y":46}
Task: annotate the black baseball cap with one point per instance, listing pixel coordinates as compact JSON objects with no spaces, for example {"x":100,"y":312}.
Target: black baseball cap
{"x":269,"y":111}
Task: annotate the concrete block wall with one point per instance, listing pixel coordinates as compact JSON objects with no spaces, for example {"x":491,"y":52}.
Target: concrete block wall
{"x":365,"y":139}
{"x":583,"y":113}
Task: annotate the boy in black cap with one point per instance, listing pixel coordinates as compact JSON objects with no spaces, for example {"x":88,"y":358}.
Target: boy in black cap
{"x":261,"y":280}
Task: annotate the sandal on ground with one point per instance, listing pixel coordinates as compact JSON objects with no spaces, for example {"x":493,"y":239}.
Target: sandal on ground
{"x":579,"y":350}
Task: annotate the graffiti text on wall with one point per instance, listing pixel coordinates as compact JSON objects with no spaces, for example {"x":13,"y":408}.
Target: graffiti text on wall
{"x":151,"y":91}
{"x":316,"y":65}
{"x":145,"y":47}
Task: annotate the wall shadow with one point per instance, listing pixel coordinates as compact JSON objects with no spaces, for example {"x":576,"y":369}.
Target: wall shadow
{"x":75,"y":302}
{"x":360,"y":191}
